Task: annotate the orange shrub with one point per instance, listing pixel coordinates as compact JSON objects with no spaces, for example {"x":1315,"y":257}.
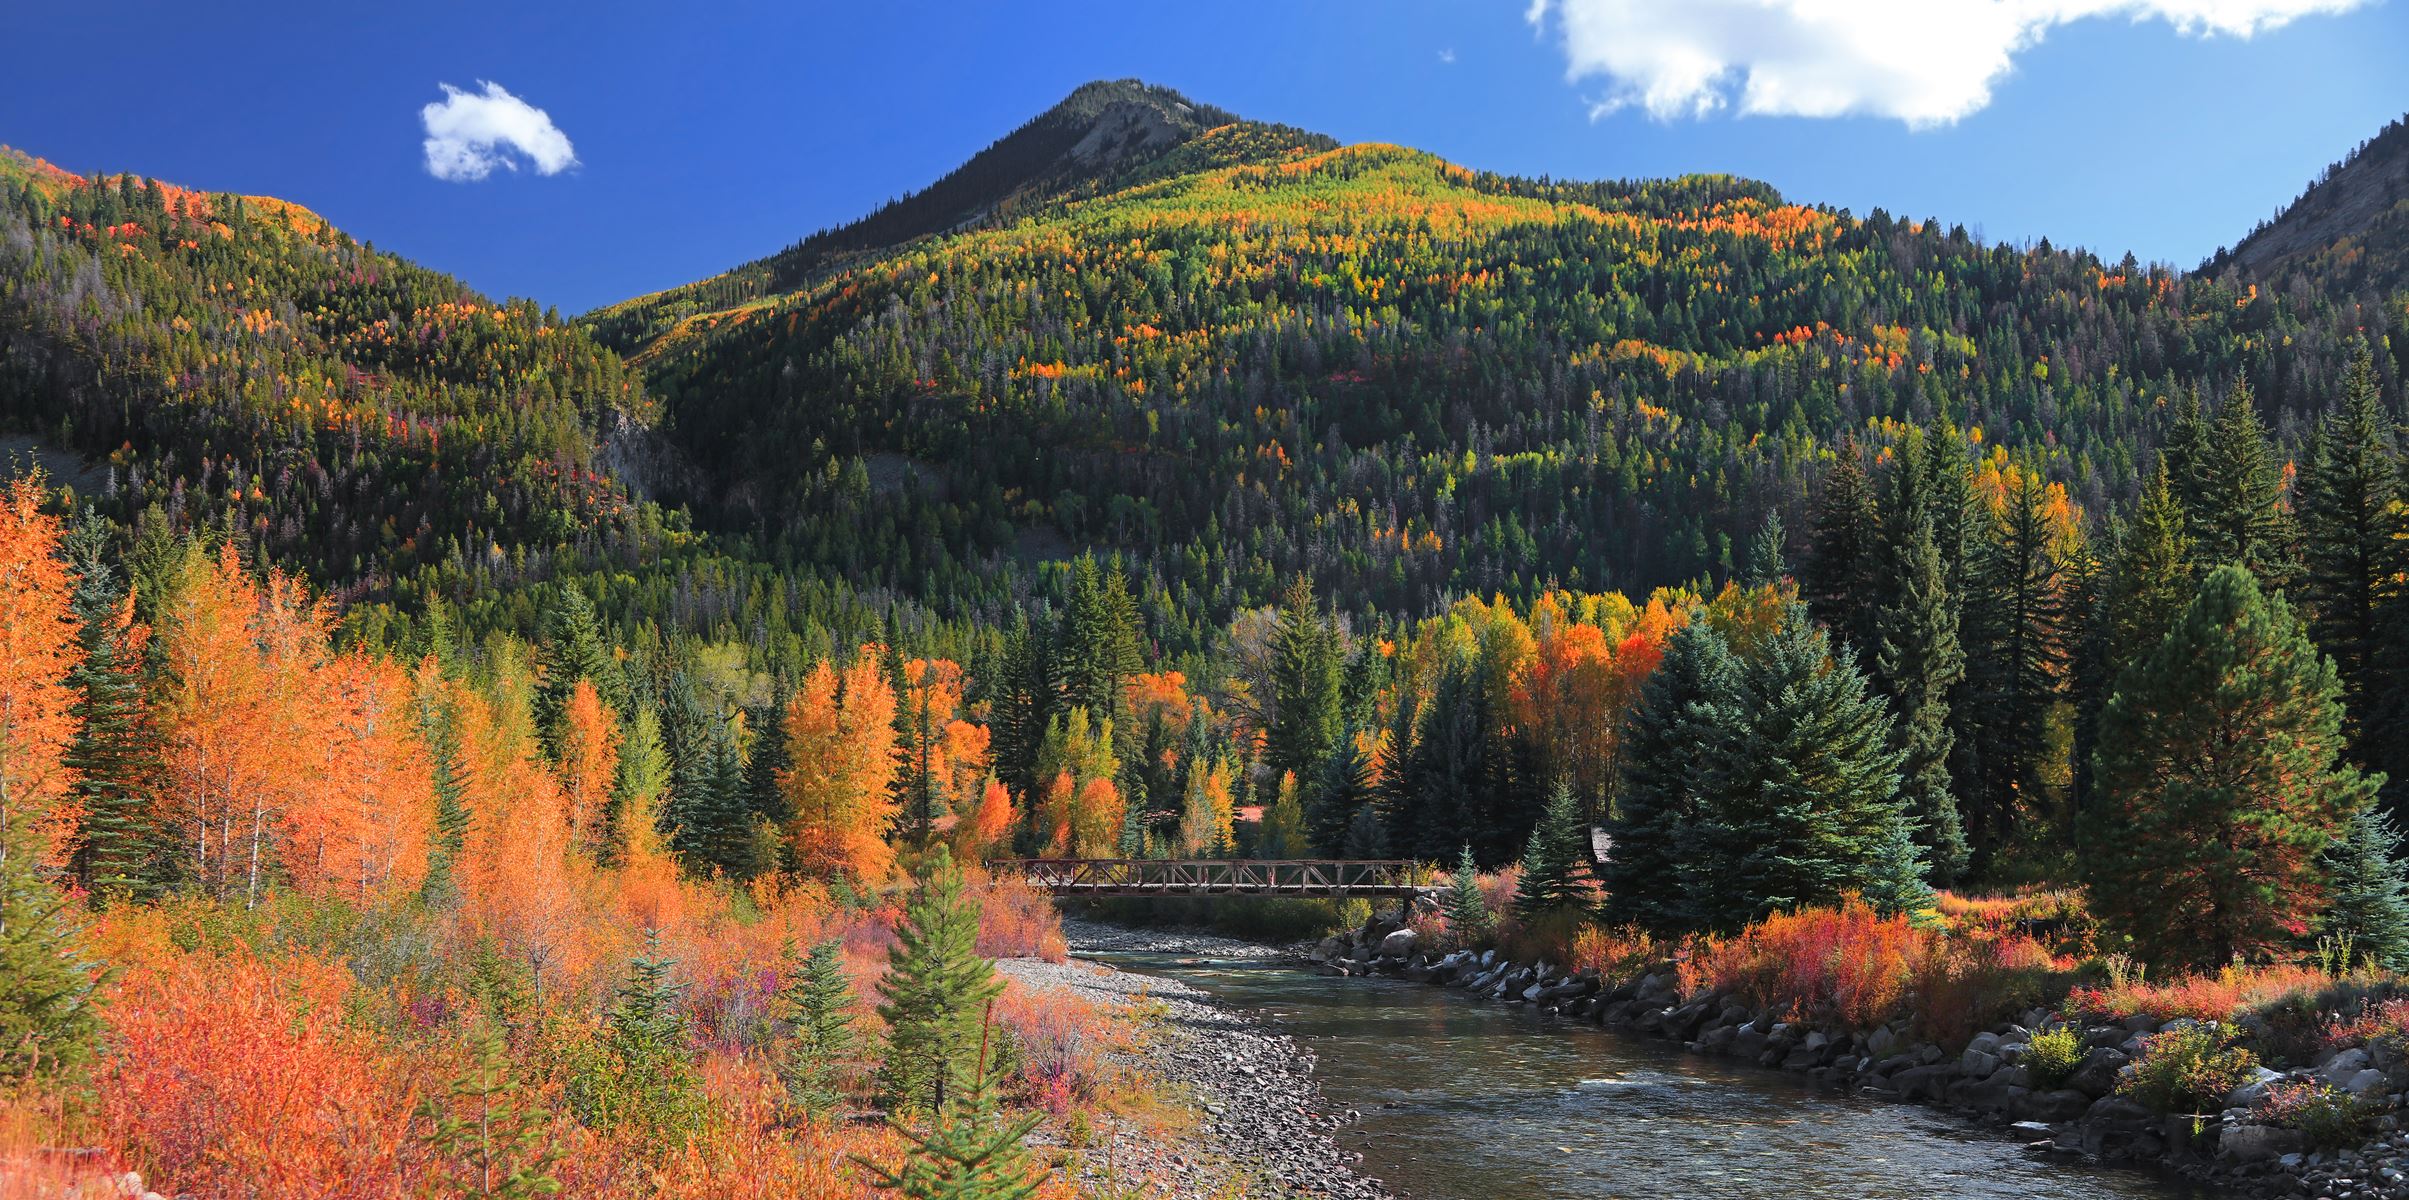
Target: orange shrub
{"x":2217,"y":997}
{"x":1848,"y":966}
{"x":1061,"y":1038}
{"x":1966,"y":983}
{"x":1615,"y":954}
{"x":230,"y":1076}
{"x":1018,"y":921}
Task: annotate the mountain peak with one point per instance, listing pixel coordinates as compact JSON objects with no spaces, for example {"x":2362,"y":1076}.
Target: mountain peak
{"x":2349,"y":230}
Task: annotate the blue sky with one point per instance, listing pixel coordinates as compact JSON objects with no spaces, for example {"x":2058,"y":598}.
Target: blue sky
{"x":708,"y":134}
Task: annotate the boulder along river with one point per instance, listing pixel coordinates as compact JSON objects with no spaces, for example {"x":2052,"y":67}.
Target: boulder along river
{"x":1467,"y":1100}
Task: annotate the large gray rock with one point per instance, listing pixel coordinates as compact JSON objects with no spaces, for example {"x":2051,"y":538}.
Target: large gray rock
{"x":2064,"y":1104}
{"x":2097,"y":1074}
{"x":1399,"y":944}
{"x":2254,"y":1089}
{"x":2366,"y":1085}
{"x":1978,"y":1063}
{"x":1930,"y":1084}
{"x":2344,"y":1064}
{"x":2259,"y":1143}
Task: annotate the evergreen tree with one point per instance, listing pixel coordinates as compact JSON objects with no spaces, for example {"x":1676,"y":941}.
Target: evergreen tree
{"x":1799,"y":798}
{"x":1647,"y":872}
{"x":486,"y":1129}
{"x":437,"y":726}
{"x":2219,"y":782}
{"x":1023,"y":707}
{"x":48,"y":989}
{"x":1467,"y":910}
{"x":2017,"y":647}
{"x":1841,"y":570}
{"x":115,"y":749}
{"x":765,"y":802}
{"x":1344,"y":796}
{"x":1306,"y":708}
{"x":1918,"y":659}
{"x":2352,"y":527}
{"x":1768,"y":553}
{"x":815,"y":1001}
{"x":2142,"y":590}
{"x":2236,"y":510}
{"x":2365,"y":905}
{"x":1367,"y":835}
{"x":933,"y":993}
{"x":1554,"y":864}
{"x":2187,"y":458}
{"x":644,"y":1078}
{"x":1099,"y":638}
{"x":644,"y":774}
{"x":571,"y":648}
{"x":1282,"y":834}
{"x":968,"y":1151}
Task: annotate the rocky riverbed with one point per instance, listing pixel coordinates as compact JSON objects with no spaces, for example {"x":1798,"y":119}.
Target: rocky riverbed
{"x":1261,"y":1127}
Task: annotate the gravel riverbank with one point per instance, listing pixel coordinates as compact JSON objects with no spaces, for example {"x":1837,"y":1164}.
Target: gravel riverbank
{"x":1262,"y":1128}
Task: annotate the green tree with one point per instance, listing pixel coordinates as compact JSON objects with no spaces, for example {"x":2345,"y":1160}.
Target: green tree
{"x":815,"y":1002}
{"x":571,"y":648}
{"x":1100,"y":644}
{"x":1554,"y":865}
{"x":968,"y":1151}
{"x":115,"y":749}
{"x":1841,"y":570}
{"x":644,"y":770}
{"x":2235,"y":511}
{"x":642,"y":1076}
{"x":933,"y":993}
{"x":2366,"y":907}
{"x":1918,"y":659}
{"x":1344,"y":797}
{"x":49,"y":1016}
{"x":2017,"y":642}
{"x":2219,"y":782}
{"x":1467,"y":911}
{"x":1305,"y":673}
{"x":1799,"y":799}
{"x":1648,"y":870}
{"x":1282,"y":834}
{"x":2352,"y":526}
{"x":492,"y":1139}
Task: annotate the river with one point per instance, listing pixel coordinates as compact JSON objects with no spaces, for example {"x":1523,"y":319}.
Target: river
{"x":1468,"y":1100}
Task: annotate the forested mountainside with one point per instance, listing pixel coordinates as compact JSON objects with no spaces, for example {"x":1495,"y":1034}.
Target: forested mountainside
{"x":2348,"y":233}
{"x":237,"y":366}
{"x":1408,"y":379}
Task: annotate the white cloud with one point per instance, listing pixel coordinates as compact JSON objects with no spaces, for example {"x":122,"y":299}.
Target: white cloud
{"x":1925,"y":62}
{"x":1447,"y":56}
{"x":470,"y":133}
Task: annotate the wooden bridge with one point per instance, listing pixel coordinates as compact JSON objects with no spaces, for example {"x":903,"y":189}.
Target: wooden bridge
{"x":1217,"y":876}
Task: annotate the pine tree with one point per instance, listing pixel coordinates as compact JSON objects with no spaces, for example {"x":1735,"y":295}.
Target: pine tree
{"x":570,"y":648}
{"x":1553,"y":865}
{"x":2366,"y":908}
{"x":2142,"y":590}
{"x":815,"y":1001}
{"x":1344,"y":796}
{"x":1768,"y":553}
{"x":494,"y":1142}
{"x":2352,"y":527}
{"x":1024,"y":704}
{"x":115,"y":749}
{"x":1099,"y":638}
{"x":1799,"y":798}
{"x":1467,"y":910}
{"x":2236,"y":510}
{"x":2187,"y":457}
{"x":933,"y":993}
{"x":1918,"y":659}
{"x":48,"y":989}
{"x":2219,"y":782}
{"x":2017,"y":647}
{"x":968,"y":1152}
{"x":1647,"y":871}
{"x":438,"y":727}
{"x":1306,"y":708}
{"x":644,"y":1078}
{"x":1841,"y":569}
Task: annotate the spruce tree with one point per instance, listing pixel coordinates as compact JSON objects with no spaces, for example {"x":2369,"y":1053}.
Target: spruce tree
{"x":2366,"y":908}
{"x":1305,"y":673}
{"x":1799,"y":799}
{"x":1647,"y":872}
{"x":494,"y":1142}
{"x":1467,"y":910}
{"x":1367,"y":835}
{"x":815,"y":1004}
{"x":1345,"y":793}
{"x":1099,"y":638}
{"x":2017,"y":644}
{"x":1918,"y":658}
{"x":1768,"y":553}
{"x":2220,"y":782}
{"x":1555,"y":864}
{"x":933,"y":993}
{"x":645,"y":1079}
{"x":115,"y":749}
{"x":968,"y":1151}
{"x":570,"y":647}
{"x":437,"y":725}
{"x":2142,"y":588}
{"x":1444,"y":773}
{"x":2352,"y":526}
{"x":1026,"y":698}
{"x":48,"y":989}
{"x":1841,"y":569}
{"x":2236,"y":513}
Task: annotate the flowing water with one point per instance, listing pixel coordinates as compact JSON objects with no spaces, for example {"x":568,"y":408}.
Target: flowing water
{"x":1468,"y":1100}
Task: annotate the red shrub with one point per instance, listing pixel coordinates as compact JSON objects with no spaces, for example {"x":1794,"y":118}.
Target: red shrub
{"x":1847,"y":966}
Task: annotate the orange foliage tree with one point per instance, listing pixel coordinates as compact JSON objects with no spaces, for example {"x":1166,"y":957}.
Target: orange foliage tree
{"x":37,"y":649}
{"x":589,"y":764}
{"x":841,"y":747}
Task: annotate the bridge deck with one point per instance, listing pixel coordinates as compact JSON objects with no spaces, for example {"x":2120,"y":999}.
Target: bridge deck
{"x":1216,"y":876}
